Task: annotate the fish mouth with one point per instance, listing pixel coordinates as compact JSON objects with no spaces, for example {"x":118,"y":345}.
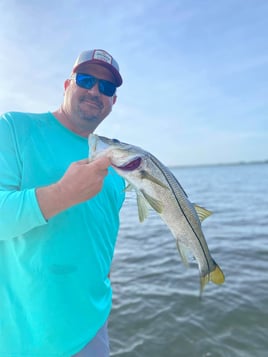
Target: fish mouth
{"x":96,"y":145}
{"x":130,"y":165}
{"x":93,"y":142}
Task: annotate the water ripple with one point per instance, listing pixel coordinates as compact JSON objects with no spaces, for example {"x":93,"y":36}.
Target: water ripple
{"x":156,"y":306}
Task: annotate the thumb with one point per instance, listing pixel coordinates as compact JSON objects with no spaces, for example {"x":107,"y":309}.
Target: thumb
{"x":102,"y":162}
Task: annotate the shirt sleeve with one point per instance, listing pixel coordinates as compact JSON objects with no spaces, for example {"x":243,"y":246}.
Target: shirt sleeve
{"x":19,"y":209}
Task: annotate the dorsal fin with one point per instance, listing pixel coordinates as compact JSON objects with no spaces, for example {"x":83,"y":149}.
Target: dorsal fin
{"x":202,"y":212}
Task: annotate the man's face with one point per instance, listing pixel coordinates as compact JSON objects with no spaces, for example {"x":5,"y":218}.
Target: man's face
{"x":86,"y":108}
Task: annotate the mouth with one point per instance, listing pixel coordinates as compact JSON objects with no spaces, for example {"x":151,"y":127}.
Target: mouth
{"x":131,"y":165}
{"x":92,"y":102}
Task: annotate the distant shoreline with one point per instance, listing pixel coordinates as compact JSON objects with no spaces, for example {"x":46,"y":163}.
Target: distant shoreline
{"x":239,"y":163}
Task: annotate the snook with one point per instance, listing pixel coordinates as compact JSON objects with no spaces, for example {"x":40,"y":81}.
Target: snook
{"x":157,"y":186}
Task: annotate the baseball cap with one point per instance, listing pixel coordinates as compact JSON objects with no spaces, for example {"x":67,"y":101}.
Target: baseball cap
{"x":102,"y":58}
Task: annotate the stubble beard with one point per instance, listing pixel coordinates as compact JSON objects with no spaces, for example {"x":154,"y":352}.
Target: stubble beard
{"x":91,"y":114}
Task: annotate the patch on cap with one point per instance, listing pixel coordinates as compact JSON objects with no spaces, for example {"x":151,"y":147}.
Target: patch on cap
{"x":102,"y":56}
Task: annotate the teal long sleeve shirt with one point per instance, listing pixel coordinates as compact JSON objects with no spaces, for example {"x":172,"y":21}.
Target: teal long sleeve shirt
{"x":54,"y":288}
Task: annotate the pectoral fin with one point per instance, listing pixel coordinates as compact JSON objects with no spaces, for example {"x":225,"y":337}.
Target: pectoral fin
{"x":202,"y":212}
{"x":146,"y":175}
{"x":142,"y":207}
{"x":154,"y":203}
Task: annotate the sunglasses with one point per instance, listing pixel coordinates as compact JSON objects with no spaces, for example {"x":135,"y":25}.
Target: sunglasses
{"x":87,"y":81}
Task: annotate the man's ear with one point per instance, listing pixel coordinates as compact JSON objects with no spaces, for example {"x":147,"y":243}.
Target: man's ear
{"x":67,"y":83}
{"x":114,"y":99}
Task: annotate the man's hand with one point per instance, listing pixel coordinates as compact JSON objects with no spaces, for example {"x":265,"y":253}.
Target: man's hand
{"x":81,"y":181}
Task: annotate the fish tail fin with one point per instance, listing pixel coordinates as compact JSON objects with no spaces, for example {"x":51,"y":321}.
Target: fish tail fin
{"x":216,"y":276}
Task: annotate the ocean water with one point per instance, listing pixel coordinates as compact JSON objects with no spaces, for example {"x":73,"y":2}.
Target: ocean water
{"x":156,"y":306}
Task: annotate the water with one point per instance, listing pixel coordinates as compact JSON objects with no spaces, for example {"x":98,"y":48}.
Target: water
{"x":156,"y":307}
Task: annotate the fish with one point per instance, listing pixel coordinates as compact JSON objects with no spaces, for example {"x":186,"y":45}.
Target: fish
{"x":156,"y":187}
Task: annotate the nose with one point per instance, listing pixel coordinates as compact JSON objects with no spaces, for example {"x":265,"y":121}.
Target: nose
{"x":95,"y":89}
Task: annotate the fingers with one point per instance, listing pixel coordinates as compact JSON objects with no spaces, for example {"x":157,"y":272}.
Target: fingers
{"x":81,"y":181}
{"x":84,"y":179}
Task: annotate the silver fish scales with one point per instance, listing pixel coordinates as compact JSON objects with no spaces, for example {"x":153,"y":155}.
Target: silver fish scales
{"x":156,"y":186}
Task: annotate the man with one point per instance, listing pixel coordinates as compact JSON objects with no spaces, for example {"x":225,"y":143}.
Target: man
{"x":59,"y":219}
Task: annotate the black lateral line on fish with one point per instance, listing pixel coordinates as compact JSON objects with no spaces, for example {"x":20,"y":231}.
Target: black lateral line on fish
{"x":158,"y":164}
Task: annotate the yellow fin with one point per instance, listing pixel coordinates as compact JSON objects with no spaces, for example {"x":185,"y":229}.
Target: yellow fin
{"x":142,"y":207}
{"x":202,"y":212}
{"x":203,"y":281}
{"x":154,"y":203}
{"x":216,"y":276}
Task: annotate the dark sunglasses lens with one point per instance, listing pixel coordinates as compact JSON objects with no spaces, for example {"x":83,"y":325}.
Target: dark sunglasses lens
{"x":107,"y":88}
{"x":85,"y":80}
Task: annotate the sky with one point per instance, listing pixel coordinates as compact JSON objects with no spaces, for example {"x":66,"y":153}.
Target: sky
{"x":195,"y":71}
